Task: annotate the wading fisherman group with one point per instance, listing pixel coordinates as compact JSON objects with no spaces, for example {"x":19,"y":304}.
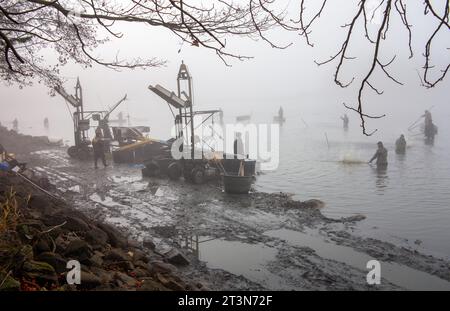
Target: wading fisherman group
{"x":429,"y":131}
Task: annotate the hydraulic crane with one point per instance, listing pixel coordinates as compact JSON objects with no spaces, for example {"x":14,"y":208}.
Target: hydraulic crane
{"x":82,"y":122}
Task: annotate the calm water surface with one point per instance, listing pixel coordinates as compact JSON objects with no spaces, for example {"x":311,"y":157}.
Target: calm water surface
{"x":408,"y":203}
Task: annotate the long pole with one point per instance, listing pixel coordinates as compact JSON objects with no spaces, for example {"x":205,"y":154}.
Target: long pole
{"x":414,"y":123}
{"x":192,"y":118}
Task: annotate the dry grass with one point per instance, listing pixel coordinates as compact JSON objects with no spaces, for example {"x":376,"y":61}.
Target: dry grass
{"x":9,"y":212}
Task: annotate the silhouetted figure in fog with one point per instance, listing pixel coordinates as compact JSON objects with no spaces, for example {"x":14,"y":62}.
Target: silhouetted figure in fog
{"x":99,"y":148}
{"x":281,"y":113}
{"x":430,"y":129}
{"x":46,"y":123}
{"x":345,"y":121}
{"x":400,"y":145}
{"x":381,"y":156}
{"x":238,"y":147}
{"x":16,"y":125}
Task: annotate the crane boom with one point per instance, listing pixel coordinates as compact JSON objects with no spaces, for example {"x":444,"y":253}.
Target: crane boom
{"x":70,"y":98}
{"x":114,"y":107}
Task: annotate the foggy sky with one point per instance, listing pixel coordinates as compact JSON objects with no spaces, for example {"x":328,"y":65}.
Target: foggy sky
{"x":258,"y":86}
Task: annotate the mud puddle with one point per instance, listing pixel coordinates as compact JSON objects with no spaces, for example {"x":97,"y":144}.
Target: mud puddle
{"x":400,"y":275}
{"x":242,"y":259}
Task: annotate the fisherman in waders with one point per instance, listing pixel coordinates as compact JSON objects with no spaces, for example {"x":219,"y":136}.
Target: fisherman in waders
{"x":345,"y":120}
{"x":381,"y":156}
{"x":99,"y":148}
{"x":400,"y":145}
{"x":430,"y":129}
{"x":281,"y":114}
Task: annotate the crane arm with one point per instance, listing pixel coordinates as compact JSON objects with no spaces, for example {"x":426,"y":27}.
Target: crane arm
{"x":115,"y":106}
{"x":71,"y":99}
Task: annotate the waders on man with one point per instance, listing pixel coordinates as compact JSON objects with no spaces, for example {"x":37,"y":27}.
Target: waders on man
{"x":381,"y":156}
{"x":99,"y":148}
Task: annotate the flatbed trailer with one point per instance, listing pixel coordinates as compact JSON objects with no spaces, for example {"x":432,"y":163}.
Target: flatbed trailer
{"x":194,"y":166}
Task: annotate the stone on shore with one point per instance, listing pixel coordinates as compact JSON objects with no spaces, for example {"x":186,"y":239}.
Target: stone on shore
{"x":78,"y":249}
{"x":115,"y":238}
{"x":175,"y":257}
{"x":55,"y":260}
{"x":40,"y":271}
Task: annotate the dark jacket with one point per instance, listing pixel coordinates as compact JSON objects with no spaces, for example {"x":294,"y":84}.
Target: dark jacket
{"x":97,"y":144}
{"x":381,"y":156}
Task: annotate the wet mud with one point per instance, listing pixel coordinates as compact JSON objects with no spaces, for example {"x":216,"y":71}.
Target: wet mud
{"x":260,"y":241}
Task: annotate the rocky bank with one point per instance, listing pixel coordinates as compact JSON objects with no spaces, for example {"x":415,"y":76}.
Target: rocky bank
{"x":40,"y":234}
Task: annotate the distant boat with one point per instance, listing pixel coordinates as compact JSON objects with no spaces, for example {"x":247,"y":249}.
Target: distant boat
{"x":243,"y":118}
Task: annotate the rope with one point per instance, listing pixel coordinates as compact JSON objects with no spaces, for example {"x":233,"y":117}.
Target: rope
{"x":37,"y":186}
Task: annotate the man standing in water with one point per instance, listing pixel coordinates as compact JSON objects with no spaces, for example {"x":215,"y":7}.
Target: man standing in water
{"x":381,"y":156}
{"x":46,"y":124}
{"x":281,"y":113}
{"x":430,"y":129}
{"x":16,"y":125}
{"x":345,"y":120}
{"x":99,"y":148}
{"x":400,"y":145}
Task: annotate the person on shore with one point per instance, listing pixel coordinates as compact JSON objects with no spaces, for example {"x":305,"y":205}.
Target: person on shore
{"x":345,"y":121}
{"x":381,"y":156}
{"x":46,"y":123}
{"x":99,"y":148}
{"x":238,"y":147}
{"x":400,"y":145}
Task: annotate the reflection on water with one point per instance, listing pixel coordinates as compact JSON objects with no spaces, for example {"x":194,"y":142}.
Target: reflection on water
{"x":381,"y":178}
{"x":248,"y":260}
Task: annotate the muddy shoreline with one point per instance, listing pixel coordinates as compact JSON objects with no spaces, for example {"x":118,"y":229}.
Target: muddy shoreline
{"x":256,"y":242}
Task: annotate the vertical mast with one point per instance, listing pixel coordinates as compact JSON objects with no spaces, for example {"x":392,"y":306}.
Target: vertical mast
{"x":183,"y":75}
{"x":80,"y":109}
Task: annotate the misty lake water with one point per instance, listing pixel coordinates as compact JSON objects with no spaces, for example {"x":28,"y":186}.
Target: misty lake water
{"x":408,"y":205}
